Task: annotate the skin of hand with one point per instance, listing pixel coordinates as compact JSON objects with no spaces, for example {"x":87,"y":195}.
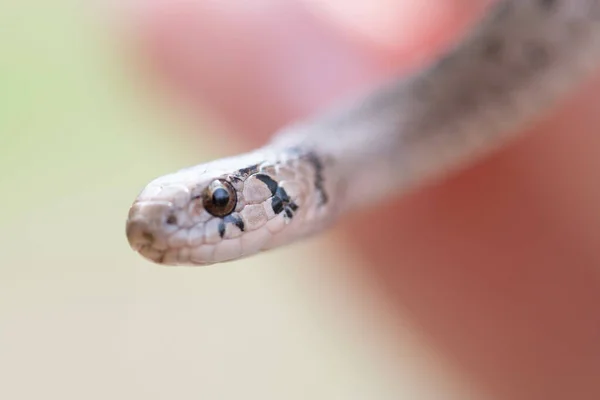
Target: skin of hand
{"x":498,"y":265}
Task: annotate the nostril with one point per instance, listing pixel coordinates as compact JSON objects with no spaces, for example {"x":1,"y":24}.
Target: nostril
{"x":149,"y":237}
{"x":139,"y":234}
{"x":172,"y":220}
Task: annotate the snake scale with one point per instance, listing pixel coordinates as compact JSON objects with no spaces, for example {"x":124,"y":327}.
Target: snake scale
{"x":520,"y":60}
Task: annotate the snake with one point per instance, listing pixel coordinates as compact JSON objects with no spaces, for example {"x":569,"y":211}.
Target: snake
{"x":519,"y":60}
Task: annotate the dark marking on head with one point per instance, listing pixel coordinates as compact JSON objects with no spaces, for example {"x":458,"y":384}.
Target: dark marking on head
{"x":222,"y":229}
{"x":317,"y":164}
{"x":281,"y":202}
{"x":252,"y":169}
{"x":282,"y":194}
{"x":290,"y":210}
{"x":236,"y":220}
{"x":267,"y":180}
{"x":171,"y":220}
{"x":277,"y":204}
{"x":235,"y":179}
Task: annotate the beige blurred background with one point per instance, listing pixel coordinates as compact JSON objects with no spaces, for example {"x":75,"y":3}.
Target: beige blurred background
{"x":82,"y":129}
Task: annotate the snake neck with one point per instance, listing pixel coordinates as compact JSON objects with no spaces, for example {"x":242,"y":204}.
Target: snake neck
{"x":521,"y":61}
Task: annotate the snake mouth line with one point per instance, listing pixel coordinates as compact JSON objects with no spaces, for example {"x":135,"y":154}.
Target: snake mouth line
{"x":151,"y":253}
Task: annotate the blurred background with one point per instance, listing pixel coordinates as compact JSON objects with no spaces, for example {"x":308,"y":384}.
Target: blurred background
{"x":83,"y":127}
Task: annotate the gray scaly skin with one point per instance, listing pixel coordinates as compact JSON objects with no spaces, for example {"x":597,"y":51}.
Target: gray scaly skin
{"x":518,"y":62}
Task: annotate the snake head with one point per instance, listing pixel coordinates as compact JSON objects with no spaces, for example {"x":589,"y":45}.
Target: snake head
{"x":221,"y":211}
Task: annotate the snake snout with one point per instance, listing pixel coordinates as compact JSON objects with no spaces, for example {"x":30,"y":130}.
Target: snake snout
{"x":146,"y":224}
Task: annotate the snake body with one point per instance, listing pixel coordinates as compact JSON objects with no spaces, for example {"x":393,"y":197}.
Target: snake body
{"x":520,"y":60}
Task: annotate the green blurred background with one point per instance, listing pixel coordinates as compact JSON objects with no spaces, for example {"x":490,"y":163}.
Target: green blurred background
{"x":82,"y":129}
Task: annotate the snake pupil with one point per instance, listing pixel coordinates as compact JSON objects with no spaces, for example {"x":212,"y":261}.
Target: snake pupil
{"x":220,"y":197}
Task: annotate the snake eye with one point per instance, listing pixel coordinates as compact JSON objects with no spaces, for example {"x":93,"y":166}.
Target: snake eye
{"x":219,"y":198}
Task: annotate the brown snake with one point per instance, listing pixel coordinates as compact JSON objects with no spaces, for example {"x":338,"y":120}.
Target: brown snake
{"x":521,"y":59}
